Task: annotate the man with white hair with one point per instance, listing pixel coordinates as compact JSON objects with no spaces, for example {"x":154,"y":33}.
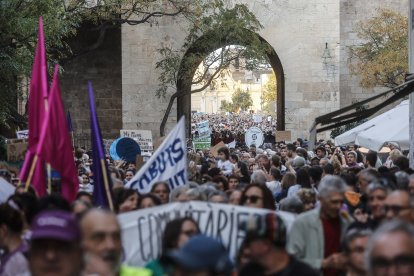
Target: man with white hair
{"x":390,"y":250}
{"x":316,"y":235}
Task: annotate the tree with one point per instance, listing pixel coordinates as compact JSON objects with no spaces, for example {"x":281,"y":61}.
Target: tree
{"x":226,"y":106}
{"x":382,"y":57}
{"x":62,"y":19}
{"x":269,"y":96}
{"x":240,"y":101}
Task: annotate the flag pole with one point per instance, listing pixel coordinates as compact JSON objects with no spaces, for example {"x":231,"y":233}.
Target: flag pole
{"x":106,"y":182}
{"x":32,"y":167}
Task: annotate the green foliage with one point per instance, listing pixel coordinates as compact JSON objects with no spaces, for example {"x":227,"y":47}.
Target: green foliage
{"x":217,"y":28}
{"x":382,"y":58}
{"x":269,"y":96}
{"x":18,"y":39}
{"x":339,"y":130}
{"x":240,"y":101}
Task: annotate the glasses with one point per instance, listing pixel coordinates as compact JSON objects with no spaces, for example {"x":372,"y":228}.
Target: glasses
{"x":400,"y":263}
{"x":395,"y":209}
{"x":253,"y":199}
{"x":189,"y":233}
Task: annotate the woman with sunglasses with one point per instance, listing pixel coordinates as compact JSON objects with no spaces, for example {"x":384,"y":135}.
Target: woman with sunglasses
{"x":176,"y":233}
{"x":258,"y":196}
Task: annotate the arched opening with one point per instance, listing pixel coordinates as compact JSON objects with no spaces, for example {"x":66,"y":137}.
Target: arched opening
{"x":184,"y":84}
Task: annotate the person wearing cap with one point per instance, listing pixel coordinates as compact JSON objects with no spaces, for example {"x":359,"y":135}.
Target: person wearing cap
{"x":201,"y":255}
{"x":266,"y":241}
{"x":315,"y":236}
{"x":103,"y":245}
{"x":55,"y":247}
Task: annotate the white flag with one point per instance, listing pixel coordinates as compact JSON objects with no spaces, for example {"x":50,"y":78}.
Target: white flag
{"x":168,"y":163}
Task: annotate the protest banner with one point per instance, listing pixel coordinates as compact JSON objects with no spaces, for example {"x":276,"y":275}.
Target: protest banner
{"x":143,"y":137}
{"x":254,"y":136}
{"x":283,"y":136}
{"x":203,"y":129}
{"x":22,"y":134}
{"x":142,"y":230}
{"x":168,"y":163}
{"x":202,"y":143}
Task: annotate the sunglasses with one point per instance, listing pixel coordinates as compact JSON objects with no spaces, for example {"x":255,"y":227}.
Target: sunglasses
{"x":253,"y":199}
{"x":395,"y":209}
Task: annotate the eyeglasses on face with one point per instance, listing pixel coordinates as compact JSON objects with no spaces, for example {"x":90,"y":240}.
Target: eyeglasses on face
{"x":395,"y":209}
{"x":400,"y":263}
{"x":253,"y":199}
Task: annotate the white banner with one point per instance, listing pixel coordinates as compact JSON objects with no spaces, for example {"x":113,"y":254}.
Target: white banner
{"x":257,"y":118}
{"x":22,"y":134}
{"x":142,"y":230}
{"x":143,"y":138}
{"x":254,"y":136}
{"x":168,"y":163}
{"x":203,"y":129}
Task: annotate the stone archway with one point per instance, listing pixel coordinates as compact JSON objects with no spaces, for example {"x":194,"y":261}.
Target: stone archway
{"x":184,"y":84}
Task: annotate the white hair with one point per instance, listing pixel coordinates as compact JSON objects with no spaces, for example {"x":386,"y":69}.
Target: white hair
{"x":331,"y":184}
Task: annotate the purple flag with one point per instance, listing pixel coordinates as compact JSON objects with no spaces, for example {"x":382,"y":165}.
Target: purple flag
{"x":102,"y":191}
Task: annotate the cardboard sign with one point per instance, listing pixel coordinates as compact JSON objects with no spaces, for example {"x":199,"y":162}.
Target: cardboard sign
{"x":214,"y":150}
{"x":16,"y":149}
{"x":143,"y":137}
{"x":283,"y":136}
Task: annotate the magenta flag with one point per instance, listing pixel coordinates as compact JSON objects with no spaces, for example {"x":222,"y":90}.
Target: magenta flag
{"x":38,"y":94}
{"x":55,"y":145}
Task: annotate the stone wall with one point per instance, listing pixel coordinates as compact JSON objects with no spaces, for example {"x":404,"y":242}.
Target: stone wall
{"x":353,"y":11}
{"x":297,"y":30}
{"x":103,"y":67}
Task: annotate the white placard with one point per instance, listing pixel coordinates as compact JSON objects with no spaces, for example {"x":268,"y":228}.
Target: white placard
{"x":168,"y":163}
{"x":142,"y":230}
{"x":22,"y":134}
{"x":254,"y":136}
{"x":143,"y":138}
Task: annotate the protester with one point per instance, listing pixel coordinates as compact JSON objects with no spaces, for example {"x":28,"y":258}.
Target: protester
{"x":201,"y":255}
{"x":390,"y":250}
{"x":148,"y":201}
{"x":315,"y":236}
{"x":176,"y":233}
{"x":355,"y":243}
{"x":125,"y":200}
{"x":258,"y":196}
{"x":399,"y":205}
{"x":101,"y":240}
{"x":55,"y":245}
{"x":162,"y":190}
{"x":12,"y":260}
{"x":265,"y":239}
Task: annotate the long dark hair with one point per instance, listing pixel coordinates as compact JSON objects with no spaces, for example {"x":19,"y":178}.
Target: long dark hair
{"x":172,"y":232}
{"x":268,"y":200}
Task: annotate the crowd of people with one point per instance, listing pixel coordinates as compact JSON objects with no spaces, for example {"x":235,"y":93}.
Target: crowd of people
{"x":231,"y":127}
{"x":354,"y":215}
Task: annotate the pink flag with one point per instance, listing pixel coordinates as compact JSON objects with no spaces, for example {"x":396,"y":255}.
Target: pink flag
{"x":37,"y":109}
{"x":55,"y":145}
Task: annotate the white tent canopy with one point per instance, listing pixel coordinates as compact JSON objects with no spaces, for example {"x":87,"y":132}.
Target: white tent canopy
{"x":391,"y":126}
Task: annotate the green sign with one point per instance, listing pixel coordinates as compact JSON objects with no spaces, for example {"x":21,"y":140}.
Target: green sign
{"x":202,"y":143}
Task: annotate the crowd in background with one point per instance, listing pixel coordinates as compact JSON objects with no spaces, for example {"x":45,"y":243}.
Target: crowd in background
{"x":354,"y":216}
{"x":231,"y":127}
